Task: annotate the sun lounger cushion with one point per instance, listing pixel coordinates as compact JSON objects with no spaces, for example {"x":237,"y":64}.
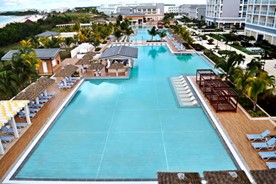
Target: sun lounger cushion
{"x":6,"y":138}
{"x":265,"y":145}
{"x":262,"y":136}
{"x":267,"y":155}
{"x":271,"y":165}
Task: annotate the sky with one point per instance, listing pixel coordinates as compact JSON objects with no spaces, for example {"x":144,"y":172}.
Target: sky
{"x":11,"y":5}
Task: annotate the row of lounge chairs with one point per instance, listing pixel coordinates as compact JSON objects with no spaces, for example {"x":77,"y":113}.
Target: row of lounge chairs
{"x":183,"y":91}
{"x":269,"y":144}
{"x":179,"y":46}
{"x":35,"y":107}
{"x":67,"y":83}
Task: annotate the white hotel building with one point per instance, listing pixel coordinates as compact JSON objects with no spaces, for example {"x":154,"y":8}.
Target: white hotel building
{"x":261,"y":20}
{"x":226,"y":13}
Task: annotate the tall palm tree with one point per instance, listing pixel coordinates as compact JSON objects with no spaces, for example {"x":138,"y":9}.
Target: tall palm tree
{"x":153,"y":32}
{"x":255,"y":63}
{"x":8,"y":84}
{"x":259,"y":85}
{"x":229,"y":65}
{"x":162,"y":34}
{"x":128,"y":32}
{"x":117,"y":33}
{"x":243,"y":78}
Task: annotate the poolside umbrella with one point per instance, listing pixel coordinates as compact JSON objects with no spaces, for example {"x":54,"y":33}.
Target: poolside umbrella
{"x":91,"y":54}
{"x":33,"y":91}
{"x":230,"y":177}
{"x":67,"y":71}
{"x":117,"y":66}
{"x":88,"y":57}
{"x":45,"y":82}
{"x":97,"y":66}
{"x":181,"y":178}
{"x":83,"y":61}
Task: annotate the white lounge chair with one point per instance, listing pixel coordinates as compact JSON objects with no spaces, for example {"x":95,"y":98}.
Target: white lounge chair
{"x":267,"y":155}
{"x":271,"y":165}
{"x":270,"y":145}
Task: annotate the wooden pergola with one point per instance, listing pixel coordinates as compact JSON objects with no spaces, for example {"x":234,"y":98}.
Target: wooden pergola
{"x":205,"y":74}
{"x":221,"y":96}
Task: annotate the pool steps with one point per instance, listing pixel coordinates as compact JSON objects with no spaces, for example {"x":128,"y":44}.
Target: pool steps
{"x":183,"y":92}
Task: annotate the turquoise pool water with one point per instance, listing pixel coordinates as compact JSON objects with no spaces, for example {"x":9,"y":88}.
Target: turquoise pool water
{"x":127,"y":129}
{"x":143,"y":35}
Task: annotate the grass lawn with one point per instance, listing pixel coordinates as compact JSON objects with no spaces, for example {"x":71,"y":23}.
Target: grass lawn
{"x":217,"y":37}
{"x":241,"y":48}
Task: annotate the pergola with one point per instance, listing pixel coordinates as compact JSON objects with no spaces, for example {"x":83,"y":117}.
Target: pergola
{"x":67,"y":71}
{"x":205,"y":74}
{"x":229,"y":177}
{"x":8,"y":109}
{"x":221,"y":96}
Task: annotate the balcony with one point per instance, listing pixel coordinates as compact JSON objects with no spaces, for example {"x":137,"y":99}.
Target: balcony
{"x":271,"y":13}
{"x":269,"y":24}
{"x":263,"y":12}
{"x":262,"y":23}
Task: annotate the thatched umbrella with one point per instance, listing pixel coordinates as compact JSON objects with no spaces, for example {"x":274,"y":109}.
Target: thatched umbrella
{"x":264,"y":176}
{"x":91,"y":54}
{"x":97,"y":66}
{"x":21,"y":96}
{"x":88,"y":57}
{"x":45,"y":82}
{"x":67,"y":71}
{"x":178,"y":178}
{"x":83,"y":61}
{"x":117,"y":66}
{"x":230,"y":177}
{"x":33,"y":91}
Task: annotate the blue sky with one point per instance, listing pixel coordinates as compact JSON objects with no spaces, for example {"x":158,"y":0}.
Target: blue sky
{"x":7,"y":5}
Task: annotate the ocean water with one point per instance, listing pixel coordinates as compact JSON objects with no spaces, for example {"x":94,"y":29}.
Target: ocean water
{"x":8,"y":19}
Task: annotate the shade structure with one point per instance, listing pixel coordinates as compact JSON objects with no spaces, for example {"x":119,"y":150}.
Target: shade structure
{"x":83,"y":62}
{"x":96,"y":66}
{"x":67,"y":71}
{"x":33,"y":91}
{"x":120,"y":52}
{"x":178,"y":177}
{"x":45,"y":82}
{"x":9,"y":108}
{"x":264,"y":176}
{"x":227,"y":177}
{"x":117,"y":66}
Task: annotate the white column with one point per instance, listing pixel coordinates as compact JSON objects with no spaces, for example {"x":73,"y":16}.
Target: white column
{"x":65,"y":83}
{"x":27,"y":114}
{"x":45,"y":93}
{"x":15,"y":131}
{"x":117,"y":74}
{"x":37,"y":100}
{"x":1,"y":148}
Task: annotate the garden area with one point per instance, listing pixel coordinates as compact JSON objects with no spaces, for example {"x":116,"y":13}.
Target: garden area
{"x":247,"y":44}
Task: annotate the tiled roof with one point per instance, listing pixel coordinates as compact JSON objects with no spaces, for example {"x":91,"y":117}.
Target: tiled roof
{"x":48,"y":34}
{"x":40,"y":53}
{"x":120,"y":51}
{"x":67,"y":71}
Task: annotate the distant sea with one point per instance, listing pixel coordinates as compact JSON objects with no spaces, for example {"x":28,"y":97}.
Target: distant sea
{"x":8,"y":19}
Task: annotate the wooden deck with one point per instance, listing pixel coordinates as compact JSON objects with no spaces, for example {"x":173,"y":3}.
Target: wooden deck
{"x":237,"y":125}
{"x":37,"y":123}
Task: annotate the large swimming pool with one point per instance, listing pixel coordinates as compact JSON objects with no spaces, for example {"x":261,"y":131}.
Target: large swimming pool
{"x":141,"y":34}
{"x":129,"y":129}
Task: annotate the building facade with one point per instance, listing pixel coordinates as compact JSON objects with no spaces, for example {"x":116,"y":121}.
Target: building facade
{"x":193,"y":11}
{"x":226,"y":13}
{"x":261,"y":20}
{"x":171,"y":8}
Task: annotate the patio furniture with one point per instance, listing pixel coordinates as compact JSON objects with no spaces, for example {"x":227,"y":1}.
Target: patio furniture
{"x":262,"y":136}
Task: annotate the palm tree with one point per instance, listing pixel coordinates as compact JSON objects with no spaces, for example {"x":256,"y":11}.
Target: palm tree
{"x":153,"y":32}
{"x":255,"y":63}
{"x":229,"y":65}
{"x":162,"y":34}
{"x":259,"y":85}
{"x":243,"y":78}
{"x":128,"y":32}
{"x":117,"y":33}
{"x":8,"y":84}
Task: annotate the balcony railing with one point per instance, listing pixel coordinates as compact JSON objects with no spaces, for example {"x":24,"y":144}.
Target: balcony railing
{"x":269,"y":24}
{"x":271,"y":13}
{"x":262,"y":23}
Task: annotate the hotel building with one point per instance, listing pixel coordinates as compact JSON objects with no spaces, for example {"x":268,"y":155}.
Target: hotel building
{"x":261,"y":20}
{"x":226,"y":13}
{"x":194,"y":11}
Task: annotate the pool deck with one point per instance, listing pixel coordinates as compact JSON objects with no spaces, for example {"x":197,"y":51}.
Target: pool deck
{"x":236,"y":124}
